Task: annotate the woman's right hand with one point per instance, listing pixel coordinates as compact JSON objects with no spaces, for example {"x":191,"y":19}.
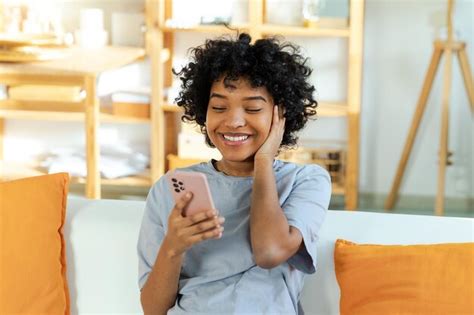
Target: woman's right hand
{"x":184,"y":232}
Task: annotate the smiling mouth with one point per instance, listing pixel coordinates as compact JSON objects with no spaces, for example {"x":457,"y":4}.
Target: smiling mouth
{"x":235,"y":138}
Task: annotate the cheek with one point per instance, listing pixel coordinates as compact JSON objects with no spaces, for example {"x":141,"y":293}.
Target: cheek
{"x":209,"y":121}
{"x":266,"y":124}
{"x":211,"y":125}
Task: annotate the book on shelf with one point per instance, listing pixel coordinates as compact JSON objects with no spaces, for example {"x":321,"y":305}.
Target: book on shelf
{"x":135,"y":103}
{"x":46,"y":92}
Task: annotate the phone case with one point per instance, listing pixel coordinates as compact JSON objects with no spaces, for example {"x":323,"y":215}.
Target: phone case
{"x":182,"y":182}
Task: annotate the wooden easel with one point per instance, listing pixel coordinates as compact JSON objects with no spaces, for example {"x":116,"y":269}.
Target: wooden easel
{"x":447,"y":47}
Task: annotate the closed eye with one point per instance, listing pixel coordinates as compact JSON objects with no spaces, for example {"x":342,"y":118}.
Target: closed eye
{"x":253,"y":110}
{"x":218,"y":108}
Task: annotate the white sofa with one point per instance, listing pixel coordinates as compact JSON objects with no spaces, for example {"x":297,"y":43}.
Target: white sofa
{"x":101,"y":238}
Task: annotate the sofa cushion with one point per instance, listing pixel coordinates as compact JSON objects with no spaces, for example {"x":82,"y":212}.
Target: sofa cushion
{"x":33,"y":265}
{"x":405,"y":279}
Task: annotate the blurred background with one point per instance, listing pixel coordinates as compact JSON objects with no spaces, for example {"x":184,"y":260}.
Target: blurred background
{"x":370,"y":59}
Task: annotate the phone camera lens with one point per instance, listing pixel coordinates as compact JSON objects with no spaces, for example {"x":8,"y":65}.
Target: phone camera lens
{"x":174,"y":180}
{"x":181,"y":183}
{"x":177,"y":190}
{"x":176,"y":185}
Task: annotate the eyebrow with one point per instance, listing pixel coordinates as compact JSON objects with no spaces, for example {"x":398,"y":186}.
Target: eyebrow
{"x":255,"y":98}
{"x":248,"y":98}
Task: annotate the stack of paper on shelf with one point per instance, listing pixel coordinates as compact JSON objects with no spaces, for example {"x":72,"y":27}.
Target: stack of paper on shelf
{"x":46,"y":92}
{"x":115,"y":162}
{"x":17,"y":46}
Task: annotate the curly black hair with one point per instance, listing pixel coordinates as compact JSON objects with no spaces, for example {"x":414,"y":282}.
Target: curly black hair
{"x":279,"y":67}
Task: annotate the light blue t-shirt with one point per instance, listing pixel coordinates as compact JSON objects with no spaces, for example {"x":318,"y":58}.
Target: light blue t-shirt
{"x":220,"y":276}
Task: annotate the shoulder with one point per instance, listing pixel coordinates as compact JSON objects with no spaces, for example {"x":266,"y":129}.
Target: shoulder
{"x":312,"y":178}
{"x":159,"y":194}
{"x":160,"y":185}
{"x":314,"y":171}
{"x":302,"y":171}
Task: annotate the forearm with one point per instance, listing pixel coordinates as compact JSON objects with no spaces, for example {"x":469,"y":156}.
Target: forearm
{"x":160,"y":291}
{"x":269,"y":230}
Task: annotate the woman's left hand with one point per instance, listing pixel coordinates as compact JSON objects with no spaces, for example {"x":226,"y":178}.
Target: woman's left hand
{"x":269,"y":148}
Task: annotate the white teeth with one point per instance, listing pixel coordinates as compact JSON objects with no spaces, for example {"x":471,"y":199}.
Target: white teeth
{"x":239,"y":138}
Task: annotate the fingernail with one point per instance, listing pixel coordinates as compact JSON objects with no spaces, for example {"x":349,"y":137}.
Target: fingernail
{"x":188,"y":195}
{"x":221,"y":220}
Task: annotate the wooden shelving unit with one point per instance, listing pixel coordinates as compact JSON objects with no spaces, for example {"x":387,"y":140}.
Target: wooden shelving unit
{"x":161,"y":37}
{"x":78,"y":67}
{"x":79,"y":70}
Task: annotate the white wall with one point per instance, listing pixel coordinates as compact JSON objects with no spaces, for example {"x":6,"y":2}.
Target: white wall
{"x":397,"y":51}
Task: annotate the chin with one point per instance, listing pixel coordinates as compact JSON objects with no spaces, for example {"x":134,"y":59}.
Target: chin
{"x":232,"y":157}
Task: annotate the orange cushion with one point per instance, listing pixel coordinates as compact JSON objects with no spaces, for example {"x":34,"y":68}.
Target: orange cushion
{"x":32,"y":255}
{"x":405,"y":279}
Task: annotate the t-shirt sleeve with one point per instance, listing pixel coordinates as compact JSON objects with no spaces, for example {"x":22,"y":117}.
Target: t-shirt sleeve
{"x":153,"y":229}
{"x":305,"y":209}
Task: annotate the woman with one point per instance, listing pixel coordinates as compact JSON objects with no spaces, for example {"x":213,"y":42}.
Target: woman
{"x":251,"y":253}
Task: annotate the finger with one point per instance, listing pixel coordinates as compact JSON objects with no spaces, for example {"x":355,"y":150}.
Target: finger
{"x":276,"y":117}
{"x":215,"y":233}
{"x":203,"y":226}
{"x":196,"y":218}
{"x":201,"y":216}
{"x":181,"y":204}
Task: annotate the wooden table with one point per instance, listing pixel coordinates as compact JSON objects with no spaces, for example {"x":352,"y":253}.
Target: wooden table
{"x":78,"y":67}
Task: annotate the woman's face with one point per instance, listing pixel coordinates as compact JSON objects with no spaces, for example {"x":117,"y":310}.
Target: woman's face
{"x":238,"y":118}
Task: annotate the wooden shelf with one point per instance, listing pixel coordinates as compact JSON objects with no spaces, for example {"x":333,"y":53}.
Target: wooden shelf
{"x":172,"y":108}
{"x":65,"y":116}
{"x":216,"y":29}
{"x":270,"y":29}
{"x":265,"y":29}
{"x":331,"y":109}
{"x":76,"y":61}
{"x":141,"y":180}
{"x":41,"y":105}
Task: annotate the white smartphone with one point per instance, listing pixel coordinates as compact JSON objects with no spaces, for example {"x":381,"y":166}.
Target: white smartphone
{"x":182,"y":182}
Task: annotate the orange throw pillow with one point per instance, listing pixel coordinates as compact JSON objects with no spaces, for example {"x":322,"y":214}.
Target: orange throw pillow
{"x":32,"y":249}
{"x":405,"y":279}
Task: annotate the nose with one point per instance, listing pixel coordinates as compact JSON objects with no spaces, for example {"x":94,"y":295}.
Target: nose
{"x":235,"y":119}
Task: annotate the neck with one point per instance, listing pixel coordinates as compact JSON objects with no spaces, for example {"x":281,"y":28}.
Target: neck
{"x":232,"y":168}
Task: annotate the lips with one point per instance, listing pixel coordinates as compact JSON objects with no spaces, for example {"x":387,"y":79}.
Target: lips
{"x":234,"y":139}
